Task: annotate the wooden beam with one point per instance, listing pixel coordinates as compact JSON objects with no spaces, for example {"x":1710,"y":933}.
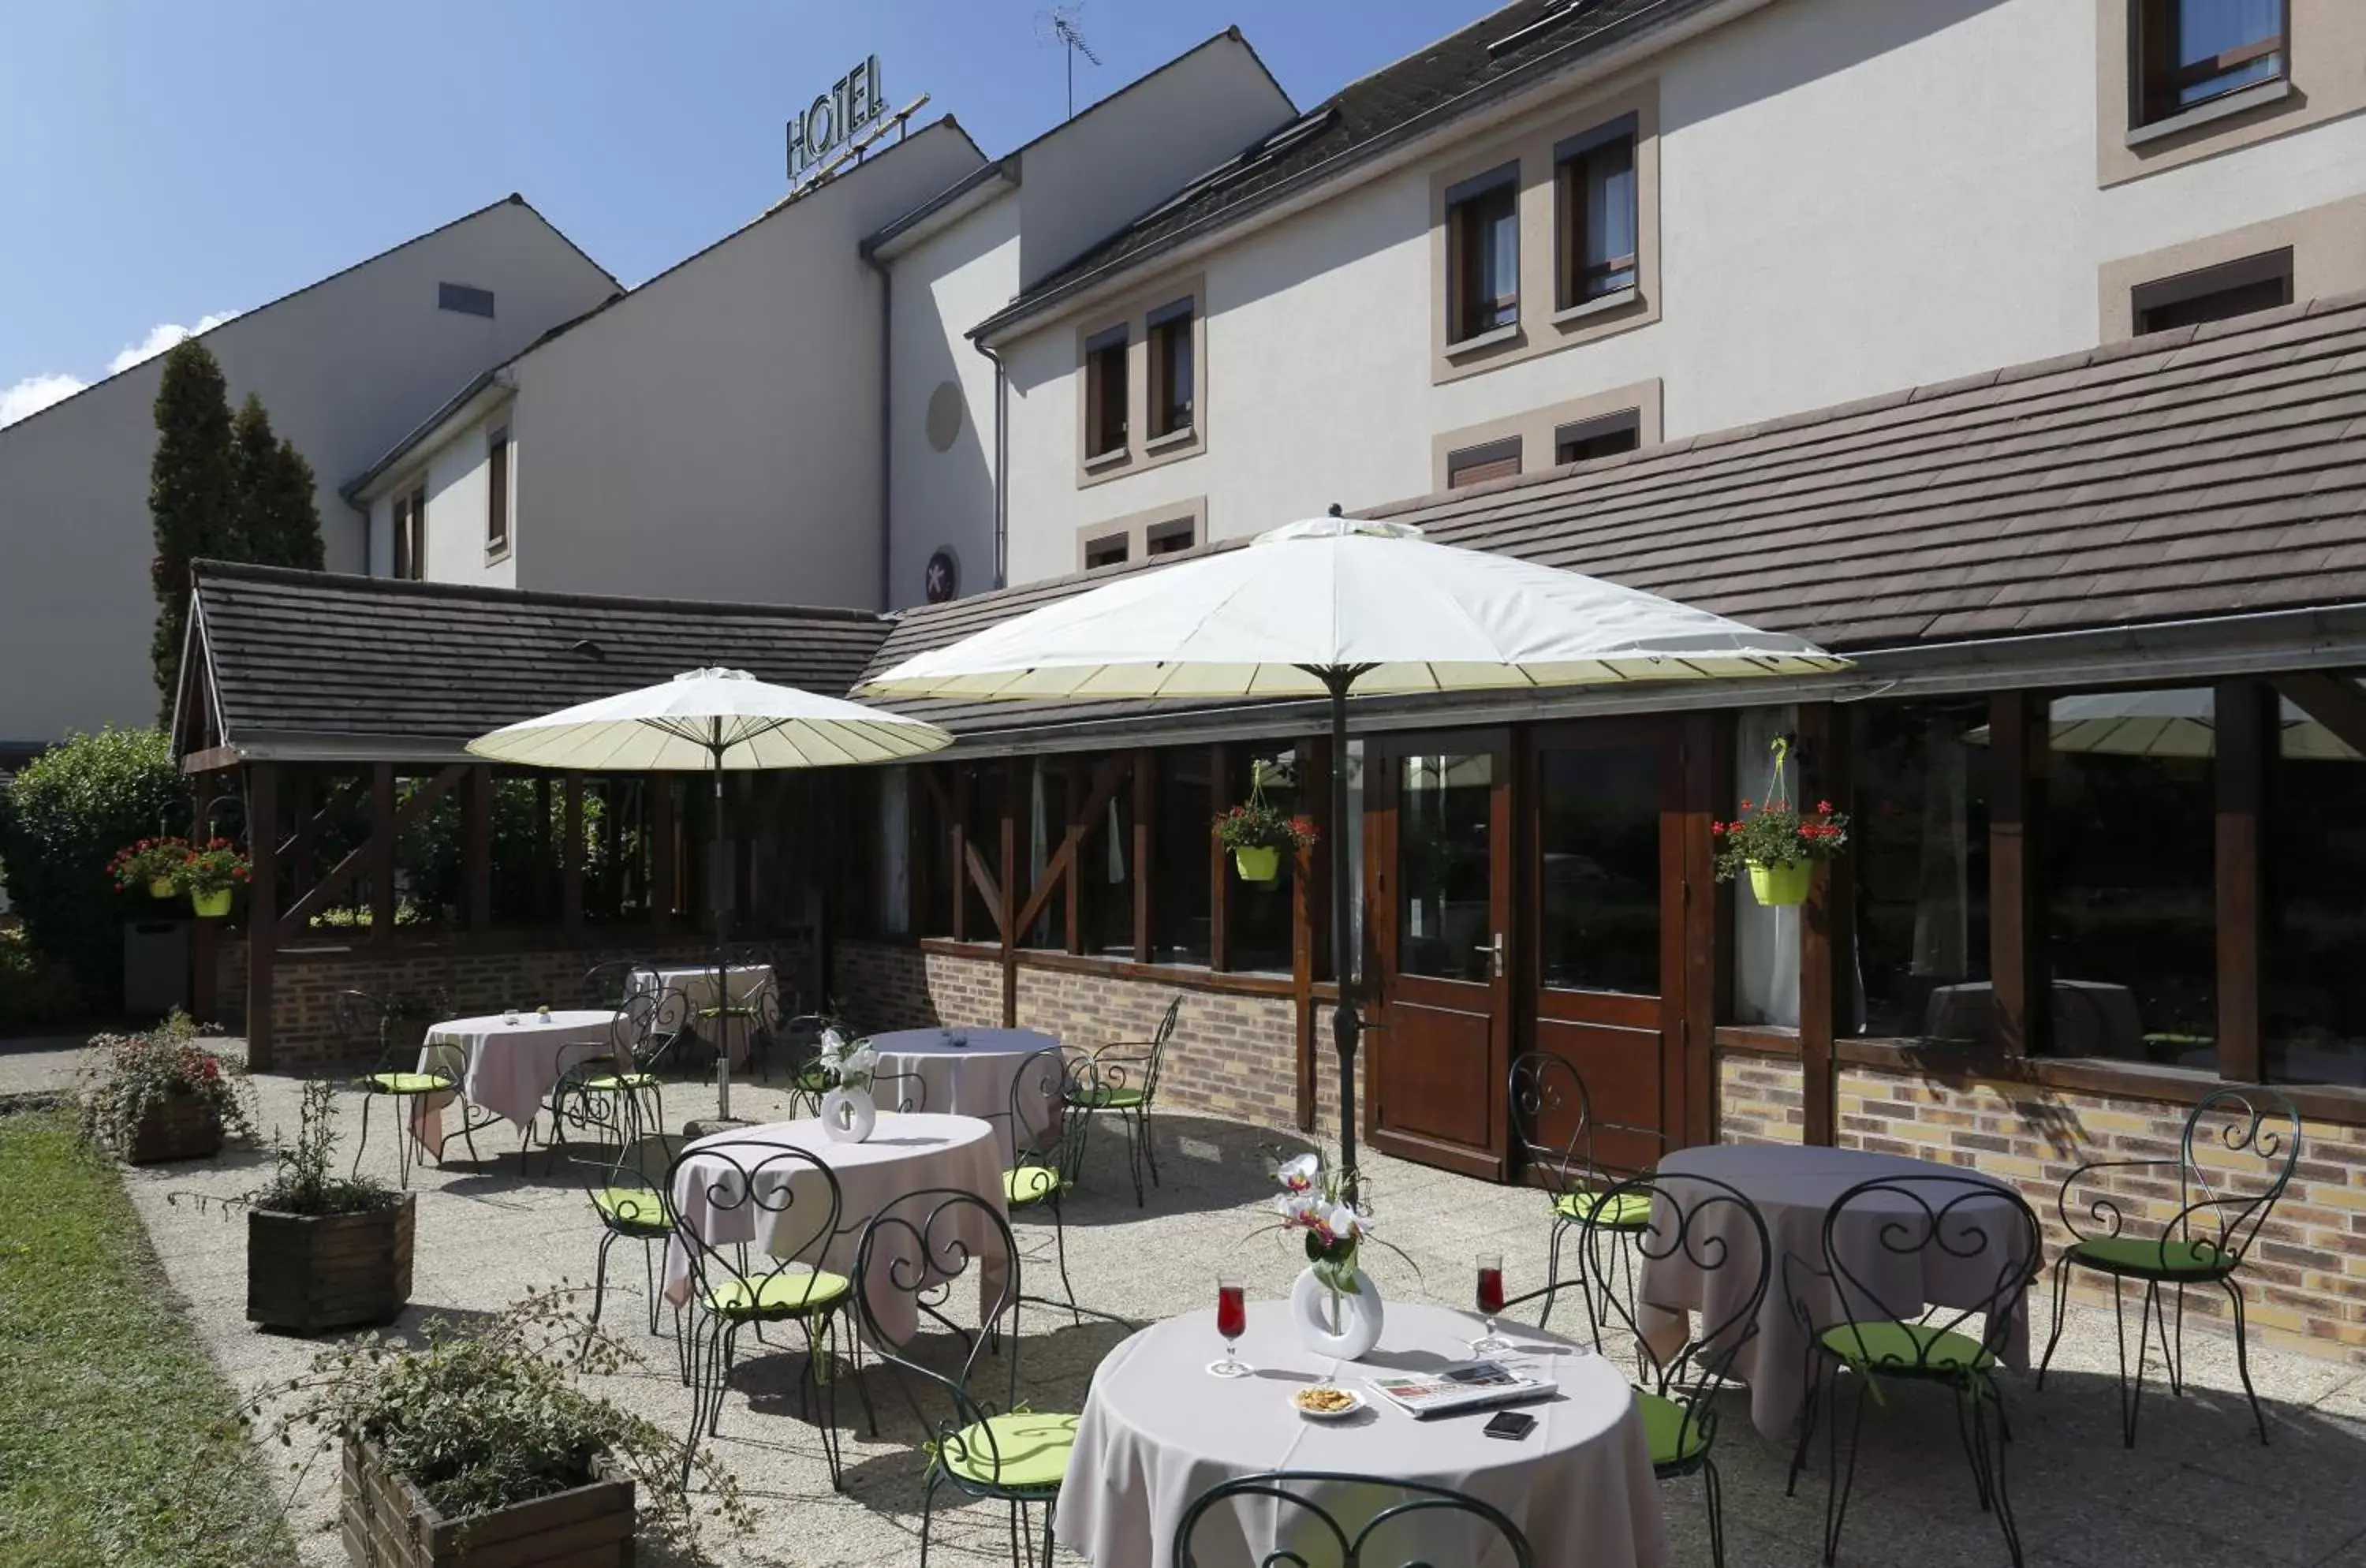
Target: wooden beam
{"x":981,"y":876}
{"x":1005,"y":907}
{"x":1220,"y":886}
{"x":2334,"y":701}
{"x":1071,"y":847}
{"x":1315,"y":789}
{"x":956,"y":806}
{"x":2245,"y":742}
{"x":1302,"y":966}
{"x":1704,"y":760}
{"x":570,"y":853}
{"x":340,"y":877}
{"x":1146,"y":797}
{"x":211,"y":760}
{"x":1106,"y":778}
{"x":1827,"y":934}
{"x":665,"y":854}
{"x":205,"y":1003}
{"x":342,"y":794}
{"x":381,"y":847}
{"x":2021,"y":753}
{"x":262,"y":908}
{"x":477,"y":847}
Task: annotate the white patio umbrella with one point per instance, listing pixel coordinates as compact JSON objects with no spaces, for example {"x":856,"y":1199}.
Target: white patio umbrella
{"x":707,"y":721}
{"x":1318,"y":608}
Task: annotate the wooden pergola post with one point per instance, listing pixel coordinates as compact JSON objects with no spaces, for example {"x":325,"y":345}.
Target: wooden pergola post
{"x":478,"y":834}
{"x":262,"y":907}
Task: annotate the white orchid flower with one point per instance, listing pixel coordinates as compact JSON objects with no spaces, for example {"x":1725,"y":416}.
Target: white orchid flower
{"x":1300,"y":1175}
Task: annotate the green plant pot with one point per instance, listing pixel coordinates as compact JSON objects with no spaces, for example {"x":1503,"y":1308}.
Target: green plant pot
{"x":211,"y":906}
{"x":1781,"y":884}
{"x":1258,"y":864}
{"x":160,"y":887}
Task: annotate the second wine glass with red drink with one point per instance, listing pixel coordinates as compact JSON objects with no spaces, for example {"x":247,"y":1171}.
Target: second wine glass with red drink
{"x":1491,"y":1302}
{"x":1232,"y":1322}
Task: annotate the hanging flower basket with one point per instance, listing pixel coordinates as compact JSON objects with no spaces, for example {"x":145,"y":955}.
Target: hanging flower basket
{"x":1777,"y":843}
{"x":160,"y":887}
{"x":211,"y":906}
{"x":210,"y":876}
{"x":152,"y":861}
{"x":1258,"y":862}
{"x":1257,"y":833}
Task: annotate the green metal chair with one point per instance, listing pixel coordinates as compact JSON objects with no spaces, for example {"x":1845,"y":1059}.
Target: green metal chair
{"x":2219,"y":1213}
{"x":918,"y":1245}
{"x":620,"y":1159}
{"x":366,"y":1030}
{"x":1359,"y":1540}
{"x":1987,"y":1238}
{"x":1552,"y":1127}
{"x":1122,"y":1079}
{"x":1044,"y":1132}
{"x":1695,"y":1218}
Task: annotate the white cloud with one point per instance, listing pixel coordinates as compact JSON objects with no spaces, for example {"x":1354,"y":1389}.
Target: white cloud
{"x":33,"y":394}
{"x":159,"y":338}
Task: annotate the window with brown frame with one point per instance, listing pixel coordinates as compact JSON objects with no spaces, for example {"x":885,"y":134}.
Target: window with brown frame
{"x":2191,"y":52}
{"x":1604,"y":437}
{"x":1476,"y":465}
{"x":1257,"y":916}
{"x":1111,"y":551}
{"x":1105,"y":394}
{"x":497,"y":491}
{"x":411,"y":536}
{"x":1483,"y":253}
{"x":1593,"y":179}
{"x":1172,"y":370}
{"x":2215,"y":293}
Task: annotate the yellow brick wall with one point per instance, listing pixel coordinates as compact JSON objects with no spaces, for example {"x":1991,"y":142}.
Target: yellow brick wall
{"x":1758,"y":1098}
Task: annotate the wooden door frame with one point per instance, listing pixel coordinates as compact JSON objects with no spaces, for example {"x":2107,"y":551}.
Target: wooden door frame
{"x":1383,"y":753}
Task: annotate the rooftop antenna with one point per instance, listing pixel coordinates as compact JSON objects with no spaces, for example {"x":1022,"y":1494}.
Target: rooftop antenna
{"x":1059,"y":26}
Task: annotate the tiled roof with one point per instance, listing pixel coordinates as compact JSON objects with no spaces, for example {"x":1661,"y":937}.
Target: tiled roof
{"x":2204,"y":472}
{"x":308,"y":660}
{"x":1363,"y":114}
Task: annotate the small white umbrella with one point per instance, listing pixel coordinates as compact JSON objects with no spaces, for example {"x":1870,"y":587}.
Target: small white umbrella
{"x":710,"y":721}
{"x":1318,"y":608}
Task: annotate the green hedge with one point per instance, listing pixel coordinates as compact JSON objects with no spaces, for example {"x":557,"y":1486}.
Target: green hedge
{"x":62,"y":819}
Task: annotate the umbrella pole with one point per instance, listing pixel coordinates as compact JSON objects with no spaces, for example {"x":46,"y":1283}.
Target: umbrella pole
{"x":721,"y":897}
{"x":1345,"y":1025}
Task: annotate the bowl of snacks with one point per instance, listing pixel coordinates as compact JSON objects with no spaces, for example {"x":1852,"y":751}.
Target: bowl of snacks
{"x":1327,"y":1402}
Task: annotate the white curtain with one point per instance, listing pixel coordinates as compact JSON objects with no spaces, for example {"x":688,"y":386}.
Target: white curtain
{"x":1765,"y":941}
{"x":1352,"y":832}
{"x":894,"y":850}
{"x":1038,"y":849}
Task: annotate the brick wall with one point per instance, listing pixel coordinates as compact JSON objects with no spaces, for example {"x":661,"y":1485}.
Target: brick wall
{"x":305,"y":985}
{"x":1232,"y":1056}
{"x":1759,"y":1098}
{"x":2305,"y":1279}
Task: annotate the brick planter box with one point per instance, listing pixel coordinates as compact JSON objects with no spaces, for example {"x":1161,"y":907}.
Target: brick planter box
{"x":182,"y":1127}
{"x":311,"y":1272}
{"x":389,"y":1524}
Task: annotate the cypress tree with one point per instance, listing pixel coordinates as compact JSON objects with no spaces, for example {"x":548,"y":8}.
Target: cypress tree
{"x":192,"y":495}
{"x":278,"y":521}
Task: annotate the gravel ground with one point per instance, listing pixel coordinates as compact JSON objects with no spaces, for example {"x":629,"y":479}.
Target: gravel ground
{"x":2199,"y":1490}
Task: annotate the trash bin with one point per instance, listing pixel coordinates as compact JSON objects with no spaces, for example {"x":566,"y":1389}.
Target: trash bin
{"x":155,"y":966}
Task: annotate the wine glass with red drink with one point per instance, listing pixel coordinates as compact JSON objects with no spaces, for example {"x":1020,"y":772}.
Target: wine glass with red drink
{"x":1491,"y":1302}
{"x":1232,"y":1322}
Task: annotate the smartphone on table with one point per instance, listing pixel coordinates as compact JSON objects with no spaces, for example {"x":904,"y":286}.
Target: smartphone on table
{"x":1513,"y":1425}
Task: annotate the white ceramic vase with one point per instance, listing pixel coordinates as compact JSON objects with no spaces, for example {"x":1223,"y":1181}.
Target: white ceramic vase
{"x":1348,"y":1329}
{"x":847,"y":1115}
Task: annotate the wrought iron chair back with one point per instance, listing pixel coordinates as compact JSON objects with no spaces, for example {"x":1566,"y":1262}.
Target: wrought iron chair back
{"x":612,"y":984}
{"x":1696,"y":1218}
{"x":1350,"y":1544}
{"x":1044,"y":1134}
{"x":2218,"y":1218}
{"x":362,"y":1024}
{"x":661,"y":1020}
{"x":792,"y":1194}
{"x":905,"y":1092}
{"x":607,"y":1139}
{"x":915,"y":1246}
{"x":1124,"y":1064}
{"x":1989,"y":1230}
{"x":1545,"y":1092}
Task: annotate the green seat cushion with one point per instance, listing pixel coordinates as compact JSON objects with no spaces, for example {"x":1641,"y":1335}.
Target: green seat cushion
{"x":407,"y":1083}
{"x":727,"y":1012}
{"x":1031,"y":1450}
{"x":1029,"y":1184}
{"x":1620,"y":1210}
{"x":631,"y":1208}
{"x":1908,"y":1349}
{"x":1672,"y":1440}
{"x":1109,"y":1098}
{"x":787,"y":1294}
{"x":2153,"y":1257}
{"x":616,"y":1083}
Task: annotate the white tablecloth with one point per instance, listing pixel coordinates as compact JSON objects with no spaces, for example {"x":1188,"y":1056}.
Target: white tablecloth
{"x":973,"y":1079}
{"x":1157,"y":1430}
{"x":697,"y":988}
{"x":1794,"y":1188}
{"x":904,"y":1153}
{"x":508,"y":1068}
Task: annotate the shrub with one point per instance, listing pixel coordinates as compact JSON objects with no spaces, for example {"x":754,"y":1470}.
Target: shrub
{"x":127,"y":1076}
{"x":36,"y":992}
{"x":62,"y":818}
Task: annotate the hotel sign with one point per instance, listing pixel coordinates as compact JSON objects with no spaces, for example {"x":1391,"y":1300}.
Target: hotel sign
{"x":853,"y":101}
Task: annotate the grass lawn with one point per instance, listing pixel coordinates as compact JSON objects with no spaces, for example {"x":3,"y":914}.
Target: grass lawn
{"x":114,"y":1444}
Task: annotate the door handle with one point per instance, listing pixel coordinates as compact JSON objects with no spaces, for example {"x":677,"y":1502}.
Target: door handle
{"x":1494,"y":951}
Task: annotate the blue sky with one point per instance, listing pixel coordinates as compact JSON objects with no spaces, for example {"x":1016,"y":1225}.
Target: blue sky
{"x":163,"y":162}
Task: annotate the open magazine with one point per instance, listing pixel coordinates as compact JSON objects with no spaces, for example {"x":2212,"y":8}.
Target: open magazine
{"x":1460,"y":1385}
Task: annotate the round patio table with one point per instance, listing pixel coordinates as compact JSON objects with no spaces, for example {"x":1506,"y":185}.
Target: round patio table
{"x":697,"y":988}
{"x":1794,"y":1186}
{"x":904,"y":1153}
{"x":969,"y":1072}
{"x":508,"y":1066}
{"x":1157,"y":1430}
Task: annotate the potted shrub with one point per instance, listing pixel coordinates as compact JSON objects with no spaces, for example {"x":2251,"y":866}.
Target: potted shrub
{"x":209,"y":875}
{"x":150,"y":862}
{"x":480,"y":1448}
{"x":1257,"y":833}
{"x":1779,"y":846}
{"x":161,"y":1095}
{"x":324,"y":1250}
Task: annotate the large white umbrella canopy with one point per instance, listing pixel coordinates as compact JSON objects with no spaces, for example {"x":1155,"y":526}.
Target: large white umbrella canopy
{"x":1318,"y":608}
{"x":711,"y":720}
